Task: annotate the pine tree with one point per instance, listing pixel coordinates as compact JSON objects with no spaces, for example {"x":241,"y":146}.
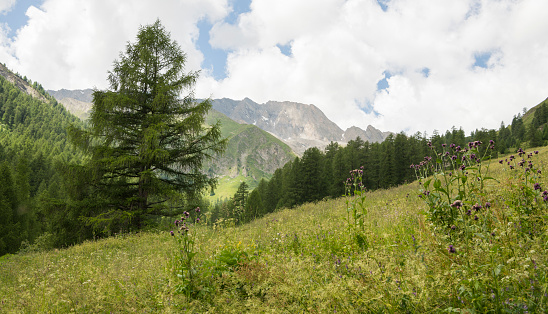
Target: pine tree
{"x":146,"y":143}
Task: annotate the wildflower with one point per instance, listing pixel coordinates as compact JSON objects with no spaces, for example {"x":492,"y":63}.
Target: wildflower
{"x":539,"y":172}
{"x":487,"y":205}
{"x":172,"y":233}
{"x":537,"y":186}
{"x":469,"y":212}
{"x":536,"y":152}
{"x":491,"y":142}
{"x":500,"y":161}
{"x":197,"y":220}
{"x":457,"y":204}
{"x":511,"y":167}
{"x":476,"y":207}
{"x":453,"y":227}
{"x":476,"y":217}
{"x":452,"y":249}
{"x":186,"y":214}
{"x":197,"y":209}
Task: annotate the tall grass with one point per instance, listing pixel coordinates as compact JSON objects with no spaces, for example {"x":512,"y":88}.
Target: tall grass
{"x":301,"y":260}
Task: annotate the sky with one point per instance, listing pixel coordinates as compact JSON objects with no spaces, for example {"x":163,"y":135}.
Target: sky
{"x":398,"y":65}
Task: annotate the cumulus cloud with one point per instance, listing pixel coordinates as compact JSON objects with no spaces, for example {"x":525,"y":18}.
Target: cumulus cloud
{"x":469,"y":63}
{"x":72,"y":44}
{"x":6,"y":6}
{"x":340,"y":50}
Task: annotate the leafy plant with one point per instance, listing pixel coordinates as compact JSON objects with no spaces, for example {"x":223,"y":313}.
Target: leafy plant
{"x":356,"y":210}
{"x":186,"y":241}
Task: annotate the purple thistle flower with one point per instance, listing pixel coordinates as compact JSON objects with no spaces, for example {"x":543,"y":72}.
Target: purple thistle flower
{"x":186,"y":214}
{"x":476,"y":217}
{"x":452,"y":249}
{"x":197,"y":220}
{"x":468,"y":212}
{"x":487,"y":205}
{"x":197,"y":209}
{"x":457,"y":204}
{"x":537,"y":186}
{"x":172,"y":233}
{"x":500,"y":161}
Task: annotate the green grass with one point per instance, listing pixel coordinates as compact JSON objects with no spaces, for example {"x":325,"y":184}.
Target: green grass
{"x":299,"y":260}
{"x":227,"y":186}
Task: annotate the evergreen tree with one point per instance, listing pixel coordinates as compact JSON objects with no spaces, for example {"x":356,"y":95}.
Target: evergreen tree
{"x":9,"y":220}
{"x":240,"y":200}
{"x":146,"y":144}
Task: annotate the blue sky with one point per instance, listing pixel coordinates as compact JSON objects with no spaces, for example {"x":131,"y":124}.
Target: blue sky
{"x":399,"y":65}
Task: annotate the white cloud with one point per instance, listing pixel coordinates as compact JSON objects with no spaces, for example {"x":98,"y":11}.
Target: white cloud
{"x":72,"y":44}
{"x":339,"y":52}
{"x":341,"y":49}
{"x":6,"y":6}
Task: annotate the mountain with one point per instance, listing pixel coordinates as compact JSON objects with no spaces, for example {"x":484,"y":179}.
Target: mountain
{"x":77,"y":102}
{"x":251,"y":154}
{"x":299,"y":125}
{"x":22,"y":83}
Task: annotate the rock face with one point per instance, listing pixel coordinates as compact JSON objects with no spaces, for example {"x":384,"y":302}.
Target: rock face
{"x":20,"y":83}
{"x":77,"y":102}
{"x":83,"y":95}
{"x":300,"y":126}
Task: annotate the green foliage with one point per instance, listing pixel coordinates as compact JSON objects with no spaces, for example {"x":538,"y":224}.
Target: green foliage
{"x":356,"y":209}
{"x":186,"y":251}
{"x":147,"y":145}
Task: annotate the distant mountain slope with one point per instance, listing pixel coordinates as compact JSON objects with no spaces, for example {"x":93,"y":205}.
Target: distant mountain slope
{"x":252,"y":154}
{"x":21,"y":83}
{"x":84,"y":95}
{"x":77,"y":102}
{"x":300,"y":126}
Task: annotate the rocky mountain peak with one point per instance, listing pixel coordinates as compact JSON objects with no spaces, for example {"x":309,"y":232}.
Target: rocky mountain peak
{"x":301,"y":126}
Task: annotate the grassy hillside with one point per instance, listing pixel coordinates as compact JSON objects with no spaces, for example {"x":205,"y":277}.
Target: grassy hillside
{"x":305,"y":260}
{"x":252,"y":154}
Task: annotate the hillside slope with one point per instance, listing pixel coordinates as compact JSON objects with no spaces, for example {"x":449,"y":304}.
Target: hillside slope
{"x":252,"y":154}
{"x":303,"y":260}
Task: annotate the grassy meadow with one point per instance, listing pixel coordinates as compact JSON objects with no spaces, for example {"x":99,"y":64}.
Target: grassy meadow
{"x":304,"y":260}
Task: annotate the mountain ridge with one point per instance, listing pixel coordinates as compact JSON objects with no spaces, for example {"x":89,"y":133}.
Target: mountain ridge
{"x":301,"y":126}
